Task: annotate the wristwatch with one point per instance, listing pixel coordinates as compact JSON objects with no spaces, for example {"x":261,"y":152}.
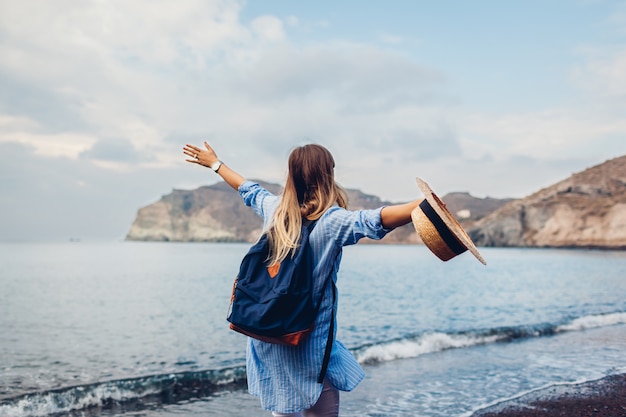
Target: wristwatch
{"x":215,"y":166}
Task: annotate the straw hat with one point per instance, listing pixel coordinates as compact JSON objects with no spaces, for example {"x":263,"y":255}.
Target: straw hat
{"x":438,"y":228}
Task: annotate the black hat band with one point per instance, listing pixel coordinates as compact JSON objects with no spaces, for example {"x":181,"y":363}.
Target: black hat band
{"x":444,"y":232}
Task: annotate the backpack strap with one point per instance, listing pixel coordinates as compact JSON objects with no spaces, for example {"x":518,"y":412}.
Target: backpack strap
{"x":309,"y":224}
{"x":329,"y":341}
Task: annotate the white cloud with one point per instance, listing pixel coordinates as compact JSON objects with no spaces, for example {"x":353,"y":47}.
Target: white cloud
{"x":292,"y":21}
{"x":25,"y":131}
{"x":618,"y":19}
{"x":566,"y":133}
{"x":390,"y":38}
{"x":115,"y":149}
{"x":269,"y":28}
{"x":589,"y":125}
{"x":12,"y":123}
{"x":151,"y":31}
{"x":110,"y":63}
{"x":66,"y":144}
{"x":604,"y":73}
{"x":261,"y":91}
{"x":96,"y":87}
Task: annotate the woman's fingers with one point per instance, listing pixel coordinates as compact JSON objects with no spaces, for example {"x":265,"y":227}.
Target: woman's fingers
{"x":192,"y":149}
{"x":193,"y":152}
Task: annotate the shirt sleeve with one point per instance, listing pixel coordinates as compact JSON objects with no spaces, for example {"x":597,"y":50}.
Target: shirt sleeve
{"x":262,"y":201}
{"x":348,"y":227}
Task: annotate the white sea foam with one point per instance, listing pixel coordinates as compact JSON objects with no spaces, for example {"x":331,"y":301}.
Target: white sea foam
{"x":592,"y":322}
{"x":427,"y":343}
{"x":438,"y":341}
{"x":74,"y":399}
{"x":118,"y":391}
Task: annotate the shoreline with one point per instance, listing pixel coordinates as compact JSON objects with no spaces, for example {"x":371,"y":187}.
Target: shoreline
{"x":605,"y":397}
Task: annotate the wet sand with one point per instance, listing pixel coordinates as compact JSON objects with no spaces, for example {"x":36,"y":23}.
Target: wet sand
{"x":602,"y":398}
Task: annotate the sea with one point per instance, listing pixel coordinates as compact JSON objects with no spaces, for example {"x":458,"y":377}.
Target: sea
{"x":139,"y":328}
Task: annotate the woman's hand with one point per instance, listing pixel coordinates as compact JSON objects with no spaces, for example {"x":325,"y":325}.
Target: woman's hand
{"x":205,"y":157}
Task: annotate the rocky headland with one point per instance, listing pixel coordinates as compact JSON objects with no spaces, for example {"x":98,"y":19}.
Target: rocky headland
{"x":216,"y":213}
{"x":586,"y":210}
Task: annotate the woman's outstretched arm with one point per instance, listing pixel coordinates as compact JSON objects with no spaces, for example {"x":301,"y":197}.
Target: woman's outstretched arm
{"x":397,"y":215}
{"x":208,"y":158}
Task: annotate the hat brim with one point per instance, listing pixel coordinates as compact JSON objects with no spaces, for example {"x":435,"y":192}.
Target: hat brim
{"x":420,"y":222}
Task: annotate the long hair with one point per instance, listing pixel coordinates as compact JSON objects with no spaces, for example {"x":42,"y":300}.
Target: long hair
{"x":309,"y":191}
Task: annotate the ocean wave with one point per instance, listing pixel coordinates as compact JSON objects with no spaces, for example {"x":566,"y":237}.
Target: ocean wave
{"x":420,"y":345}
{"x":416,"y":345}
{"x":593,"y":321}
{"x":168,"y":388}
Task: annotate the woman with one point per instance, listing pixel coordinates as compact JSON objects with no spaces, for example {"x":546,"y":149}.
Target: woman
{"x":285,"y":377}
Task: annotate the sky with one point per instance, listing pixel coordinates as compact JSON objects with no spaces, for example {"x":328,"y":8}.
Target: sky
{"x":494,"y":98}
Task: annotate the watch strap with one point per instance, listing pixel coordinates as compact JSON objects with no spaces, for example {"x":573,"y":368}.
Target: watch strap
{"x":215,"y":166}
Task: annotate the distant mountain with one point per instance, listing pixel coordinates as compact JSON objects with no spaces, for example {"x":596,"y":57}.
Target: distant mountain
{"x":586,"y":210}
{"x":207,"y":214}
{"x":216,"y":214}
{"x":467,"y":208}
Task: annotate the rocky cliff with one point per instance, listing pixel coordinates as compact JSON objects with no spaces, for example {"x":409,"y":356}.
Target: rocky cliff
{"x":207,"y":214}
{"x":216,"y":214}
{"x":586,"y":210}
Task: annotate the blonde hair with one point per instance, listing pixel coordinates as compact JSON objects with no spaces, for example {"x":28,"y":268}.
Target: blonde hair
{"x":309,"y":191}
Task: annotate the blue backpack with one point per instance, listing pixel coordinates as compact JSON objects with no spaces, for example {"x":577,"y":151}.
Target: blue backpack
{"x":276,"y":303}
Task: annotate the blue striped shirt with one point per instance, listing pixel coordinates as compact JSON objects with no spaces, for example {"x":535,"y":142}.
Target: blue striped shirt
{"x":285,"y":377}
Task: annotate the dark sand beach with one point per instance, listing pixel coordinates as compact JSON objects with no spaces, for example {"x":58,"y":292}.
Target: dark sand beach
{"x":601,"y":398}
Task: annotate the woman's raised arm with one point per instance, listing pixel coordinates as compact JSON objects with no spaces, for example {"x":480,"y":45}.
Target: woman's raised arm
{"x":208,"y":158}
{"x":397,"y":215}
